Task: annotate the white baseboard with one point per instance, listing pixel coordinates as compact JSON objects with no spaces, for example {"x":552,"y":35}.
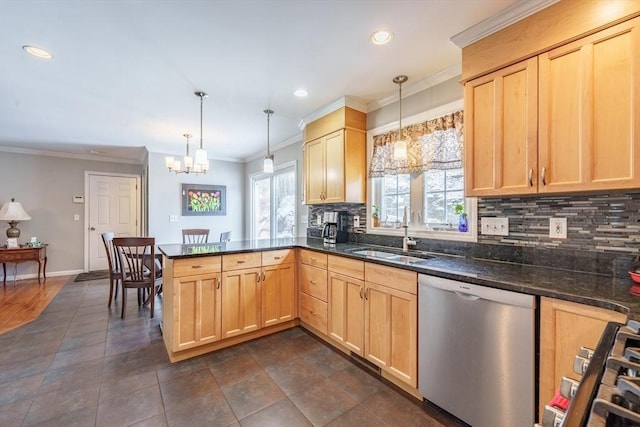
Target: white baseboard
{"x":49,"y":274}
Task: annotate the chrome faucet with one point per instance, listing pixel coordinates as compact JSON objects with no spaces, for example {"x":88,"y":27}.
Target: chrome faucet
{"x":406,"y":240}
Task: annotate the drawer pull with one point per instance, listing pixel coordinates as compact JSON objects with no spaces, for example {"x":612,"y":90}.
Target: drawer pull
{"x":313,"y":313}
{"x":277,"y":257}
{"x":197,"y":266}
{"x":312,"y":259}
{"x":313,"y":282}
{"x":241,"y":261}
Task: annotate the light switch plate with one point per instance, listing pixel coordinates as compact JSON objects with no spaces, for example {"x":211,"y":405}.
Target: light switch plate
{"x":173,"y":218}
{"x":558,"y":228}
{"x":494,"y":226}
{"x":356,"y":221}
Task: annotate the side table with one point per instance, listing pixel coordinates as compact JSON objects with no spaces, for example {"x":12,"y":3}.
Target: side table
{"x":23,"y":254}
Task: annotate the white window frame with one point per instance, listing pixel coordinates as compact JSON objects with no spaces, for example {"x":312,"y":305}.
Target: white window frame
{"x":471,"y":203}
{"x":261,"y":175}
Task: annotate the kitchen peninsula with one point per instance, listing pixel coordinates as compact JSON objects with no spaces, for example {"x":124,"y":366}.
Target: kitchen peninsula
{"x":218,"y":295}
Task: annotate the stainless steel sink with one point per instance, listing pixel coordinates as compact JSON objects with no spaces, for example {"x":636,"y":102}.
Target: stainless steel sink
{"x":392,"y":257}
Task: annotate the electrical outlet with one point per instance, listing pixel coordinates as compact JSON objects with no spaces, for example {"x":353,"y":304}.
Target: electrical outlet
{"x":319,"y":220}
{"x":76,"y":217}
{"x":558,"y":228}
{"x":494,"y":226}
{"x":356,"y":221}
{"x":173,"y":218}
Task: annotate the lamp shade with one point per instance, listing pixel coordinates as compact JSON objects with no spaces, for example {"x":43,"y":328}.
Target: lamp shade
{"x":13,"y":211}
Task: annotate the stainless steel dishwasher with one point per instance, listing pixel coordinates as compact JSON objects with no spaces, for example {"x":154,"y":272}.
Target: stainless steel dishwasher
{"x":476,"y":352}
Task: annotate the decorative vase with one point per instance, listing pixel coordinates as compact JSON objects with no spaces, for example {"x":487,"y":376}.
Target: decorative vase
{"x":463,"y":224}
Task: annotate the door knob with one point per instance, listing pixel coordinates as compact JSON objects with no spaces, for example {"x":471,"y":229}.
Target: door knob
{"x":92,"y":229}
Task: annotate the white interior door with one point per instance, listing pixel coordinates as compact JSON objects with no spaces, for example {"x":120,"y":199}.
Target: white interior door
{"x":114,"y":206}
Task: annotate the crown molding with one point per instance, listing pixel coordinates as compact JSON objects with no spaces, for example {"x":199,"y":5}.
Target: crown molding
{"x":345,"y":101}
{"x":296,"y":139}
{"x":502,"y":19}
{"x":419,"y":86}
{"x":67,"y":155}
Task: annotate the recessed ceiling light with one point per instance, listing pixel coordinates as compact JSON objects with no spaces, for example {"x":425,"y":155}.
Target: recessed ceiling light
{"x":300,"y":93}
{"x":381,"y":37}
{"x":95,"y":152}
{"x":37,"y":51}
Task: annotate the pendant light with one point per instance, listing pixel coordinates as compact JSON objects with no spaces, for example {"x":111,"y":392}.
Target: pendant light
{"x":201,"y":163}
{"x":201,"y":154}
{"x":400,"y":147}
{"x":268,"y":160}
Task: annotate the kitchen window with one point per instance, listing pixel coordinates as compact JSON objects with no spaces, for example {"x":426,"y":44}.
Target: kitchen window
{"x":429,"y":184}
{"x":273,"y":203}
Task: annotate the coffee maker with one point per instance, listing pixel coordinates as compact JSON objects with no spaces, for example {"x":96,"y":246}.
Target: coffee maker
{"x":334,"y":228}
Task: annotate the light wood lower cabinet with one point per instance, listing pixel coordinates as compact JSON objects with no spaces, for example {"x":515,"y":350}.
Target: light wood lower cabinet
{"x":564,"y":328}
{"x":278,"y":294}
{"x":241,"y":308}
{"x":194,"y":307}
{"x":313,"y":290}
{"x":346,"y":303}
{"x":391,"y":321}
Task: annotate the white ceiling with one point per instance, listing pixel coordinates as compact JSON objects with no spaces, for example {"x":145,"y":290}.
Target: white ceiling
{"x":124,"y":71}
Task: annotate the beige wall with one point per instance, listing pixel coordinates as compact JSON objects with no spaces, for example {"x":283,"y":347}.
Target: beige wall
{"x":45,"y":186}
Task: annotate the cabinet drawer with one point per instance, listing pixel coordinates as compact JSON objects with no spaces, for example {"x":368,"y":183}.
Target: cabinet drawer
{"x":199,"y":265}
{"x":313,"y":281}
{"x":313,"y":258}
{"x":346,"y":266}
{"x":281,"y":256}
{"x":244,"y":260}
{"x":395,"y":278}
{"x":313,"y":312}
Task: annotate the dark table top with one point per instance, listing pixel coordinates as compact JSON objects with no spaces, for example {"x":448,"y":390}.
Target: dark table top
{"x":587,"y":288}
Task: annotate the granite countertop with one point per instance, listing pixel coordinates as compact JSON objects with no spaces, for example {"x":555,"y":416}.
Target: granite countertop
{"x":587,"y":288}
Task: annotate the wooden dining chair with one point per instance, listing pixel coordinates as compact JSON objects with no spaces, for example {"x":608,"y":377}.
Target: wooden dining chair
{"x":138,"y":268}
{"x":195,"y":235}
{"x":114,"y":270}
{"x":225,"y":236}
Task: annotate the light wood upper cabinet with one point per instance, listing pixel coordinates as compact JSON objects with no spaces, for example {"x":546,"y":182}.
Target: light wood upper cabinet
{"x":501,"y":130}
{"x":334,"y":158}
{"x":590,"y":112}
{"x":564,"y":121}
{"x":564,"y":328}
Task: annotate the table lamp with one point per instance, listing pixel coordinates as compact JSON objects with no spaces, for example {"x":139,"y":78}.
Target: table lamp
{"x":13,"y":213}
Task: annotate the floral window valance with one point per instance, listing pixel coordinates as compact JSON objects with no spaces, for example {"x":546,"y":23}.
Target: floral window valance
{"x":434,"y":144}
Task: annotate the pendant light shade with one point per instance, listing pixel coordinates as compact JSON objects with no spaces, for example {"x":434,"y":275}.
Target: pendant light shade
{"x":198,"y":165}
{"x":267,"y":166}
{"x":400,"y":147}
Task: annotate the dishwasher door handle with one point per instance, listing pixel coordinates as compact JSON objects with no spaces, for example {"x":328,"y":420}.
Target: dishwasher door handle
{"x":469,"y":297}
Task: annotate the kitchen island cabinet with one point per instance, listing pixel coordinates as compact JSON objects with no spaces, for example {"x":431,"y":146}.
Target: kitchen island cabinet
{"x":279,"y":297}
{"x":313,"y":290}
{"x":346,"y":303}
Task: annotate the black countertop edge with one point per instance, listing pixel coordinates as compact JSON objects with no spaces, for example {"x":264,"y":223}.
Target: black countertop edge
{"x":587,"y":288}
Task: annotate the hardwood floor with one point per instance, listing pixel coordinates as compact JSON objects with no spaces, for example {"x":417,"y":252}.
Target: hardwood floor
{"x":23,"y":301}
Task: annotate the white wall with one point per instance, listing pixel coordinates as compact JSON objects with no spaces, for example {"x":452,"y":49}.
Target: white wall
{"x":290,"y":153}
{"x":165,"y":199}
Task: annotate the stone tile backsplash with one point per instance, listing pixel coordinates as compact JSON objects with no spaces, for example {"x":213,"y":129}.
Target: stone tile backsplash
{"x":603,"y":231}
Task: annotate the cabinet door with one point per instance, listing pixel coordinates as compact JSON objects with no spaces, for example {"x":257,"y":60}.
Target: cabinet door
{"x":501,"y":126}
{"x":315,"y":167}
{"x":589,"y":103}
{"x":391,"y":331}
{"x":334,"y":174}
{"x":346,"y":312}
{"x":196,"y":309}
{"x":564,"y":328}
{"x":278,"y":294}
{"x":240,"y":301}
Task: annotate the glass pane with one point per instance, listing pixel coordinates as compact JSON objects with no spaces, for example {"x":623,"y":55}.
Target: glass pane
{"x":434,"y":180}
{"x":455,"y":179}
{"x":435,"y":208}
{"x":285,"y":200}
{"x":261,"y":208}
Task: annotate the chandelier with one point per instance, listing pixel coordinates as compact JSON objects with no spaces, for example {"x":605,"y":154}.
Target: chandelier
{"x":400,"y":147}
{"x":201,"y":162}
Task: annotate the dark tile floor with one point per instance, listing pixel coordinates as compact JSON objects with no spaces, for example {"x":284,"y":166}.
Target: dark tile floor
{"x":79,"y":364}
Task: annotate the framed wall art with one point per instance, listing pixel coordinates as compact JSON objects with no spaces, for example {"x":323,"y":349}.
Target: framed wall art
{"x":198,"y":199}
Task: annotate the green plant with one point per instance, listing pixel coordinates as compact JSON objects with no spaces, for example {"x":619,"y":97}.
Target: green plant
{"x":459,"y":210}
{"x":376,"y":211}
